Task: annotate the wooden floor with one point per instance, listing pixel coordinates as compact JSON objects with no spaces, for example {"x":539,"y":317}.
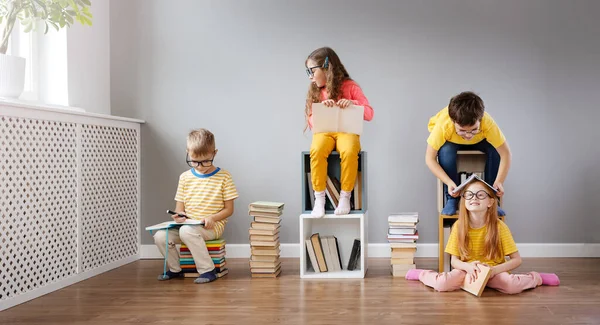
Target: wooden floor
{"x":132,"y":295}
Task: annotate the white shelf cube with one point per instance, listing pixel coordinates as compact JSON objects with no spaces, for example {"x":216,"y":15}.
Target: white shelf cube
{"x":346,"y":228}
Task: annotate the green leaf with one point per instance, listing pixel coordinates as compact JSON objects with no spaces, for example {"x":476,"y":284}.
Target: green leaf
{"x":29,"y":27}
{"x":54,"y":25}
{"x":74,"y":5}
{"x":63,"y":3}
{"x":69,"y":19}
{"x":46,"y":28}
{"x":86,"y":2}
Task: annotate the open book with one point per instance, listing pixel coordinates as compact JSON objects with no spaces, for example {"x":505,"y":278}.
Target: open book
{"x":469,"y":180}
{"x":170,"y":224}
{"x":335,"y":119}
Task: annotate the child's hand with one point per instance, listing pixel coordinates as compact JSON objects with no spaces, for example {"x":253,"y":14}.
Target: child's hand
{"x":328,"y":102}
{"x":209,"y":223}
{"x":451,"y":187}
{"x":472,"y":270}
{"x":178,"y":218}
{"x":343,"y":103}
{"x":500,"y":188}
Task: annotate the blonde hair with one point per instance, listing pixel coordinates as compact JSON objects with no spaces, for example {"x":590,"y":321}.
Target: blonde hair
{"x":200,"y":142}
{"x":492,"y":247}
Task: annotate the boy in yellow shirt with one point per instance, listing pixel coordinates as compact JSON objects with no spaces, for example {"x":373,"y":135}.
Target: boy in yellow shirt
{"x":464,"y":125}
{"x":205,"y":192}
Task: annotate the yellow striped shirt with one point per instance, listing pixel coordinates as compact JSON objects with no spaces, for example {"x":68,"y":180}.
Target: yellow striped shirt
{"x":205,"y":194}
{"x":477,"y":244}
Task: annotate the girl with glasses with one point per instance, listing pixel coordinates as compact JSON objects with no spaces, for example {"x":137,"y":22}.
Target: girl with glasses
{"x":480,"y":238}
{"x":331,"y":85}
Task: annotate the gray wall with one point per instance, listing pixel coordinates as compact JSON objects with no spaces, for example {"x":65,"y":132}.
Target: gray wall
{"x":236,"y":68}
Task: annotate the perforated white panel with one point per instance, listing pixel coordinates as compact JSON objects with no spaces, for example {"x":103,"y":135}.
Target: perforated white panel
{"x":109,"y":195}
{"x":38,"y":204}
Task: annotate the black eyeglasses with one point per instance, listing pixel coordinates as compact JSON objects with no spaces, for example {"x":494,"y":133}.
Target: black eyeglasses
{"x":194,"y":163}
{"x":310,"y":72}
{"x":481,"y":195}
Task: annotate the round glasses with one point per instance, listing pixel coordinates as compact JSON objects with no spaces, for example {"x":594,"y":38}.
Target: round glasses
{"x":472,"y":132}
{"x":195,"y":163}
{"x":480,"y":195}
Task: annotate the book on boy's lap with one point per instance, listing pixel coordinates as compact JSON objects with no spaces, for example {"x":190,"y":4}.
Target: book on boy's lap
{"x":171,"y":224}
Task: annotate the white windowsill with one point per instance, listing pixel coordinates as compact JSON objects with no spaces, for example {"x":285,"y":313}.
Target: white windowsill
{"x":61,"y":109}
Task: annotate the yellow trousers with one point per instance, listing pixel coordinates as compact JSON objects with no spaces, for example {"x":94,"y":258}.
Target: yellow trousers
{"x":348,"y":145}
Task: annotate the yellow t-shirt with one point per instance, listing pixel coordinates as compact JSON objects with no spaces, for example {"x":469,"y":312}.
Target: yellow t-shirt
{"x":477,"y":244}
{"x":442,"y":129}
{"x":205,"y":195}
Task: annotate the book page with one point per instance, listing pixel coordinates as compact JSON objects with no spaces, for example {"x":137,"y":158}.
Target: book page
{"x":351,"y":119}
{"x":335,"y":119}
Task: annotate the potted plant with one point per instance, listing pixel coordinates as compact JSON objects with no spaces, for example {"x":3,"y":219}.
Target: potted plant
{"x":55,"y":13}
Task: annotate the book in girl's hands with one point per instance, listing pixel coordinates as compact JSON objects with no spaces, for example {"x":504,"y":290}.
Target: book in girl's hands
{"x":476,"y":287}
{"x":469,"y":180}
{"x":336,"y":119}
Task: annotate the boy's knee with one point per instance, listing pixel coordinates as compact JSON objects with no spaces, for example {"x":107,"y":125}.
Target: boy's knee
{"x":160,"y":237}
{"x":447,"y":149}
{"x":493,"y":154}
{"x":185,"y":231}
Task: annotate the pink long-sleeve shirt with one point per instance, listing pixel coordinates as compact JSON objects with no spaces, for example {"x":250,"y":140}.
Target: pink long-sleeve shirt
{"x":350,"y":90}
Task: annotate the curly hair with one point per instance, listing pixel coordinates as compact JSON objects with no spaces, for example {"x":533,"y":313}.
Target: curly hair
{"x":334,"y":71}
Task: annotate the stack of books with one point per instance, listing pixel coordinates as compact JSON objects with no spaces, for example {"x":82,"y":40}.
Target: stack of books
{"x":403,"y":235}
{"x":264,"y":239}
{"x":216,"y":250}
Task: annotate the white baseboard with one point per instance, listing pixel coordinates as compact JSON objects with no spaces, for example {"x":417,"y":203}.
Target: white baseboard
{"x":423,"y":250}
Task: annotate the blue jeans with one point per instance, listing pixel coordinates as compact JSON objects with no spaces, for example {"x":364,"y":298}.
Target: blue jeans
{"x":447,"y":159}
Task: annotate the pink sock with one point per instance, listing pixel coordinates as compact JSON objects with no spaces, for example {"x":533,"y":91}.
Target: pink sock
{"x":413,"y":274}
{"x":549,"y":279}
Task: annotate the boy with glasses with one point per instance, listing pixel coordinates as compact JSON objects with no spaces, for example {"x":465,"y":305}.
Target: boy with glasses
{"x":205,"y":192}
{"x":464,"y":125}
